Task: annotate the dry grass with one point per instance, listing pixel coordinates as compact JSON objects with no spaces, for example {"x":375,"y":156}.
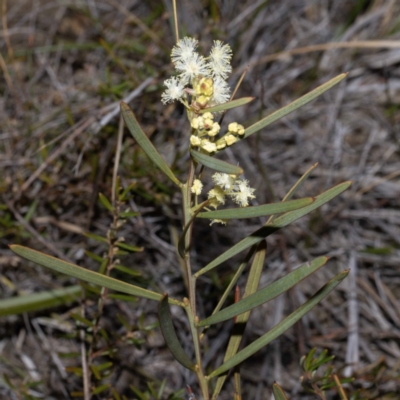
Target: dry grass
{"x":66,"y":65}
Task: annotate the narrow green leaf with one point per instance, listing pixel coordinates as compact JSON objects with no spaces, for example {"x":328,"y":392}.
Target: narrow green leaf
{"x":294,"y":188}
{"x":85,"y":274}
{"x":39,"y":301}
{"x":275,"y":225}
{"x":128,"y":247}
{"x":106,"y":203}
{"x":267,"y":293}
{"x":280,"y":328}
{"x":279,"y":394}
{"x":257,"y":211}
{"x":309,"y":359}
{"x":170,"y":337}
{"x":293,"y":106}
{"x":129,"y":214}
{"x":96,"y":237}
{"x":127,"y":270}
{"x":241,"y":320}
{"x":145,"y":143}
{"x":215,"y":164}
{"x":235,"y":278}
{"x":100,"y":388}
{"x":227,"y":106}
{"x":123,"y":297}
{"x":82,"y":320}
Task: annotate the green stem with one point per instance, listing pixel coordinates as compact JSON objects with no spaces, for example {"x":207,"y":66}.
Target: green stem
{"x":199,"y":369}
{"x":190,"y":305}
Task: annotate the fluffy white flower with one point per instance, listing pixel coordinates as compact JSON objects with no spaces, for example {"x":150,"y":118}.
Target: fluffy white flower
{"x":196,"y":187}
{"x":243,"y":194}
{"x":221,"y":91}
{"x":184,"y":49}
{"x":174,"y":91}
{"x":224,"y":180}
{"x":220,"y":58}
{"x":191,"y":67}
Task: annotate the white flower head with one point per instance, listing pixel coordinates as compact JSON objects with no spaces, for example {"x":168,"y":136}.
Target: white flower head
{"x":174,"y":91}
{"x":192,"y":67}
{"x":224,"y":180}
{"x":221,"y":91}
{"x":243,"y":193}
{"x":196,"y":187}
{"x":184,"y":49}
{"x":220,"y":59}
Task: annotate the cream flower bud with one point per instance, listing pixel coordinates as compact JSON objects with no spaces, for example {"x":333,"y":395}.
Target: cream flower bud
{"x":240,"y":130}
{"x":214,"y":130}
{"x":208,"y":115}
{"x":196,"y":187}
{"x":208,"y":123}
{"x":233,"y":127}
{"x":195,"y":140}
{"x":208,"y":146}
{"x":202,"y":101}
{"x":230,"y":139}
{"x":221,"y":143}
{"x":197,"y":123}
{"x":204,"y":87}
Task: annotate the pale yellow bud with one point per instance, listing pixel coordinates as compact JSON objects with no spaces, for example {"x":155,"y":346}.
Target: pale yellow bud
{"x":195,"y":140}
{"x":208,"y":123}
{"x":204,"y":87}
{"x":233,"y":127}
{"x":208,"y":115}
{"x":208,"y":146}
{"x":202,"y":101}
{"x":214,"y":130}
{"x":221,"y":144}
{"x":240,"y":130}
{"x":197,"y":123}
{"x":230,"y":139}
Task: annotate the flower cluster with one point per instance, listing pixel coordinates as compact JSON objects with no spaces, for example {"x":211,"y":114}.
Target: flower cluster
{"x":202,"y":78}
{"x":226,"y":186}
{"x":200,"y":83}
